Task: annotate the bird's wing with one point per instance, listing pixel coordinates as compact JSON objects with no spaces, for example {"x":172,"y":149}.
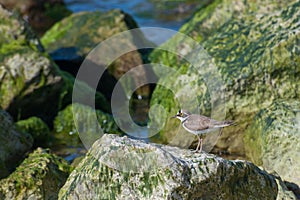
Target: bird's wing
{"x":197,"y":122}
{"x":200,"y":122}
{"x":220,"y":124}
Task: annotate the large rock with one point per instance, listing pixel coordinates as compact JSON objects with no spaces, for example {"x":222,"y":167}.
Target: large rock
{"x":273,"y":140}
{"x":122,"y":168}
{"x":41,"y":15}
{"x":30,"y":82}
{"x":80,"y":117}
{"x":13,"y":144}
{"x":254,"y":51}
{"x":72,"y":39}
{"x":37,"y":128}
{"x":40,"y":176}
{"x":210,"y":18}
{"x":28,"y":78}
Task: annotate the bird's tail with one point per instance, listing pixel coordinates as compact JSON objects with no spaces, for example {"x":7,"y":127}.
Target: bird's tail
{"x":225,"y":123}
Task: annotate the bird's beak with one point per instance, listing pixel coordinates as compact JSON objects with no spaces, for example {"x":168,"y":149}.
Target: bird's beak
{"x":173,"y":117}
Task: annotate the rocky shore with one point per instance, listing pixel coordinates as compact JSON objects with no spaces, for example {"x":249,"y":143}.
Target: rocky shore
{"x":55,"y":146}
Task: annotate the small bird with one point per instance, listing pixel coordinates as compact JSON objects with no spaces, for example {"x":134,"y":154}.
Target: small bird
{"x":199,"y":124}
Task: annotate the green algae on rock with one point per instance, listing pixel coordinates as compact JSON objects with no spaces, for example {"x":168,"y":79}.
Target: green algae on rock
{"x":37,"y":128}
{"x":13,"y":144}
{"x":66,"y":130}
{"x":122,"y":168}
{"x":256,"y":56}
{"x":273,"y":139}
{"x":40,"y":176}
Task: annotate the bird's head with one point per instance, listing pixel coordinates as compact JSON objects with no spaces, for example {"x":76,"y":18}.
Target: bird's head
{"x":182,"y":115}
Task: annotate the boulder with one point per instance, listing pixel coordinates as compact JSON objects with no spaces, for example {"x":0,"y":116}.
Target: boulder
{"x":40,"y":176}
{"x":41,"y":15}
{"x":72,"y":39}
{"x":122,"y":168}
{"x":80,"y":117}
{"x":13,"y":144}
{"x":30,"y":82}
{"x":249,"y":58}
{"x":273,"y":139}
{"x":28,"y":78}
{"x":37,"y":128}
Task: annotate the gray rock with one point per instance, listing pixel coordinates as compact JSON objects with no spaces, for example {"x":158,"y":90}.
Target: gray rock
{"x":272,"y":141}
{"x":13,"y":144}
{"x":122,"y":168}
{"x":253,"y":49}
{"x":40,"y":176}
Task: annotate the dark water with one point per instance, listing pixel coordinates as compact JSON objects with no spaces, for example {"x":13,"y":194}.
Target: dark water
{"x":147,"y":13}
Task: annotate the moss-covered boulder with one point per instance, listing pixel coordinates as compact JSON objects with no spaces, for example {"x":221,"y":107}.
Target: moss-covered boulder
{"x":273,"y":139}
{"x":122,"y":168}
{"x":37,"y":128}
{"x":13,"y":144}
{"x":254,"y":49}
{"x":213,"y":15}
{"x":66,"y":130}
{"x":30,"y":82}
{"x":28,"y":78}
{"x":71,"y":40}
{"x":41,"y":15}
{"x":40,"y":176}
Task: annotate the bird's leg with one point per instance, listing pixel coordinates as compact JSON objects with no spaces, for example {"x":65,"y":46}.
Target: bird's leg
{"x":220,"y":132}
{"x":199,"y":144}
